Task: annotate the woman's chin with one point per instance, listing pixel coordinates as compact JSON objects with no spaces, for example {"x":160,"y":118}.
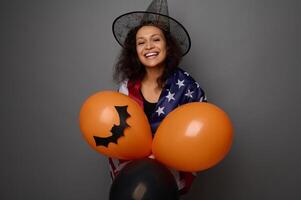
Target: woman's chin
{"x":153,"y":64}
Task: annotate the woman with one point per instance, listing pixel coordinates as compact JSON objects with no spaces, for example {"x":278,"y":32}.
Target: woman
{"x":153,"y":45}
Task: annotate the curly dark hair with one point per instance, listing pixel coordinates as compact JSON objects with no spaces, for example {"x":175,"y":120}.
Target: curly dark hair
{"x":128,"y":65}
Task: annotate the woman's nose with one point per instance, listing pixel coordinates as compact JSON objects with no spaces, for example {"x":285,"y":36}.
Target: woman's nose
{"x":149,"y":45}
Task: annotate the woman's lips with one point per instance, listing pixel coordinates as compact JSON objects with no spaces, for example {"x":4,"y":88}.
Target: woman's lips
{"x":151,"y":54}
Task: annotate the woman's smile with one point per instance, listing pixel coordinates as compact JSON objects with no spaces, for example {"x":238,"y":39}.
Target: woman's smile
{"x":151,"y":55}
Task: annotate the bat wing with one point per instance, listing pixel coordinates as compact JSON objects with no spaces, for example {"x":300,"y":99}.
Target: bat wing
{"x":117,"y":131}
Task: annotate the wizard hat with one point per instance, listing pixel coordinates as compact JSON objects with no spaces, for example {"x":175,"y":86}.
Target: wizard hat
{"x":157,"y":14}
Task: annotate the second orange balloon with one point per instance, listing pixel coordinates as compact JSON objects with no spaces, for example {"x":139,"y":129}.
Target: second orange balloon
{"x":193,"y":137}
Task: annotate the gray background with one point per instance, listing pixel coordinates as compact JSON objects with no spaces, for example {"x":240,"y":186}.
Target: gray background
{"x":54,"y":54}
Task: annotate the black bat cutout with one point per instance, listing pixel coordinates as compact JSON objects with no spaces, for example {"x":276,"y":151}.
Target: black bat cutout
{"x":117,"y":131}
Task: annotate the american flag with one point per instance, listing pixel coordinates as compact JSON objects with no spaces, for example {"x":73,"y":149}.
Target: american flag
{"x":180,"y":88}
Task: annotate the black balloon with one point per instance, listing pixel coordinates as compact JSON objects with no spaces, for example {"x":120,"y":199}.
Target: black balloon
{"x":144,"y":179}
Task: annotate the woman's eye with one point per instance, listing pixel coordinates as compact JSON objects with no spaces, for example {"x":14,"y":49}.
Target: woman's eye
{"x":140,"y":43}
{"x":157,"y":39}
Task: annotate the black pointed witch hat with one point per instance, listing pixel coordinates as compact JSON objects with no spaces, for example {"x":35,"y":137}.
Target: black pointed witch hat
{"x":156,"y":13}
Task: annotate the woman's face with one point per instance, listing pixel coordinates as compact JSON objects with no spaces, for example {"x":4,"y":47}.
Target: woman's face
{"x":151,"y":46}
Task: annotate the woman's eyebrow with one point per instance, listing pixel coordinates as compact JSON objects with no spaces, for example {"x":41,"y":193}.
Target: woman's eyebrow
{"x":155,"y":34}
{"x":141,"y":37}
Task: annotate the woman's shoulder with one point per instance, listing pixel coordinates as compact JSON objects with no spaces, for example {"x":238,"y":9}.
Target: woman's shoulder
{"x":183,"y":82}
{"x":184,"y":77}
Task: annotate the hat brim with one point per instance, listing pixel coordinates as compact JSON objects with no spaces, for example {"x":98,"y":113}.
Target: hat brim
{"x":124,"y":23}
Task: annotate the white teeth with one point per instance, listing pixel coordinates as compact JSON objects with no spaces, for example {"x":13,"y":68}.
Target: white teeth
{"x":151,"y":54}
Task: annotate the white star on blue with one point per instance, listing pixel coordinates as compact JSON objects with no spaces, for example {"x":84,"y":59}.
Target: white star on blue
{"x":186,"y":73}
{"x":180,"y":83}
{"x":160,"y":111}
{"x":189,"y":94}
{"x":170,"y":96}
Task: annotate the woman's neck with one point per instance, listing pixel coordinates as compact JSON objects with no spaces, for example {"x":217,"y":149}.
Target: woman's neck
{"x":151,"y":76}
{"x":149,"y":85}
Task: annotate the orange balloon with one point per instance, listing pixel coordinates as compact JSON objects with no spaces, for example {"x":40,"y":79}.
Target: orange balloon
{"x":115,"y":125}
{"x":193,"y":137}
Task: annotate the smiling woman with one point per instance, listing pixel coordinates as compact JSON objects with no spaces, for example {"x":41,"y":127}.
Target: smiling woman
{"x":148,"y":70}
{"x":148,"y":37}
{"x":151,"y":47}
